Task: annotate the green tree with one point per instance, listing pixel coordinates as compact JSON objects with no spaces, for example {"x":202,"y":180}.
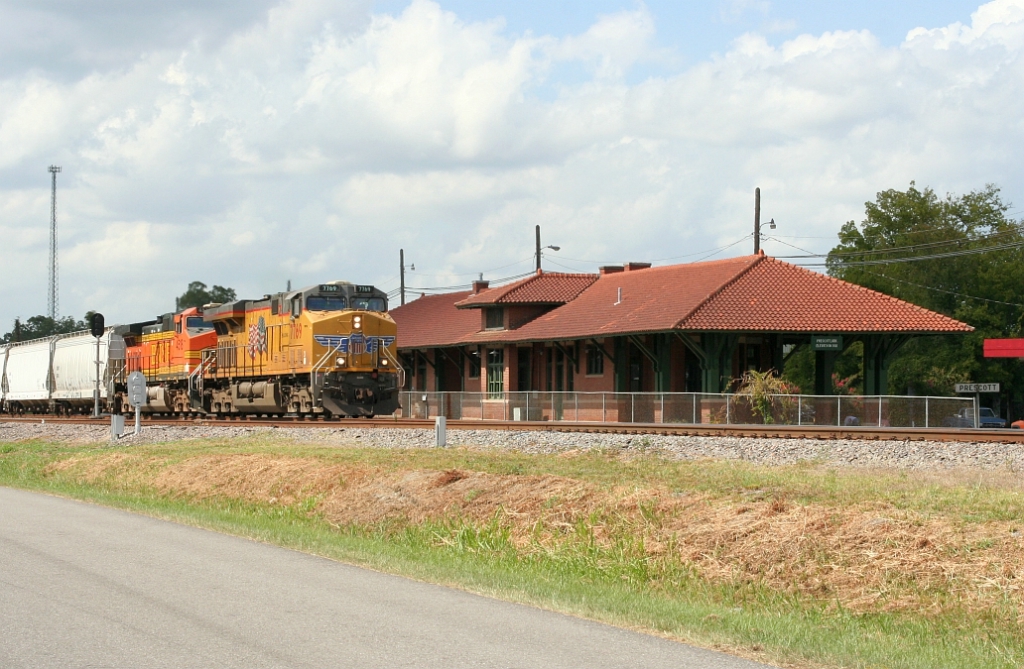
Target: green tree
{"x":961,"y":256}
{"x":197,"y":295}
{"x":37,"y":327}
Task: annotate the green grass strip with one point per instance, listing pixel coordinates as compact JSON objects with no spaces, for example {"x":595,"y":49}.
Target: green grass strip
{"x":614,"y":585}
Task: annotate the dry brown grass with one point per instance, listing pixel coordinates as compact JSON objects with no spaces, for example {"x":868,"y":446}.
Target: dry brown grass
{"x":865,"y":557}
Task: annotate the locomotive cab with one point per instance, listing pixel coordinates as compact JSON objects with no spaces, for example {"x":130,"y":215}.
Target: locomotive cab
{"x":325,"y":349}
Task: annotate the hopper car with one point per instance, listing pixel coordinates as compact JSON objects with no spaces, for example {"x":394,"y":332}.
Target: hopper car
{"x":328,"y":350}
{"x":57,"y":374}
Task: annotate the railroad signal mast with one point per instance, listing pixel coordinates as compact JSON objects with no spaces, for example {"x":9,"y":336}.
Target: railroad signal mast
{"x":52,"y":305}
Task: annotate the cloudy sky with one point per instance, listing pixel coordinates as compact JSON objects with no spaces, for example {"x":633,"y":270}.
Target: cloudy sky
{"x":251,"y":142}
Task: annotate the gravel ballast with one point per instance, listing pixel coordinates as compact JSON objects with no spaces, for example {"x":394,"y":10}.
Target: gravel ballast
{"x":843,"y":452}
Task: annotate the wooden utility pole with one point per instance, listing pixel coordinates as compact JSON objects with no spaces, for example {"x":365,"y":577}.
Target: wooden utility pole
{"x":401,"y":272}
{"x":538,"y":247}
{"x":757,"y":221}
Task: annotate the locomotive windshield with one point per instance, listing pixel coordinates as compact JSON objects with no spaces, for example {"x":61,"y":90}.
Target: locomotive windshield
{"x":368,"y":303}
{"x":197,"y":322}
{"x":321,"y":303}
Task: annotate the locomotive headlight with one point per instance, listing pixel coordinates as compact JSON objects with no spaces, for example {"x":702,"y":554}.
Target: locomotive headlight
{"x":383,"y":363}
{"x":340,"y":362}
{"x":357,"y":322}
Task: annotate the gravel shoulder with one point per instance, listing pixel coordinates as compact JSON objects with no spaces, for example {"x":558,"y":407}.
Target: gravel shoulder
{"x":928,"y":455}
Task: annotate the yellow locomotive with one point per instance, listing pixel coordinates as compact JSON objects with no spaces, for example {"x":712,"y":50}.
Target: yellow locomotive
{"x":328,"y":349}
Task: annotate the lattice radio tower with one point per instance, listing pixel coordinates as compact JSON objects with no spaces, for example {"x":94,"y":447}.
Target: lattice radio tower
{"x":51,"y":301}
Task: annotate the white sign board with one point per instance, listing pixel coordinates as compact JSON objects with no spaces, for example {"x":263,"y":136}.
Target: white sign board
{"x":977,"y":387}
{"x":137,"y":389}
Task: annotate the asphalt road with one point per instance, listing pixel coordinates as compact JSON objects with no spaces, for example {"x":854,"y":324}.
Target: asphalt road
{"x":87,"y":586}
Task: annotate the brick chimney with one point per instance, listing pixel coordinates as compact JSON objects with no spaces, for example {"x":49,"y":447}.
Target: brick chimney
{"x":634,"y":266}
{"x":480,"y":286}
{"x":611,"y":269}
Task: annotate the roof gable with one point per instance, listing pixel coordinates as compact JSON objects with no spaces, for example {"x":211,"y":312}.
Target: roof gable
{"x":540,"y":288}
{"x":433,"y":320}
{"x":651,"y":300}
{"x":775,"y":296}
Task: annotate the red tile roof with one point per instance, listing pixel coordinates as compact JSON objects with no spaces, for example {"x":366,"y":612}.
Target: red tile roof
{"x":433,"y":320}
{"x":541,"y":288}
{"x":775,"y":296}
{"x":653,"y":300}
{"x":745,"y":294}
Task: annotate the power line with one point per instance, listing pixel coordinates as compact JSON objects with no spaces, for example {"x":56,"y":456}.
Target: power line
{"x":912,"y":247}
{"x":936,"y":256}
{"x":942,"y":290}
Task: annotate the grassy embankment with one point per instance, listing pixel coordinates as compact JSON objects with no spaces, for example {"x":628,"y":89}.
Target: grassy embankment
{"x":802,"y":565}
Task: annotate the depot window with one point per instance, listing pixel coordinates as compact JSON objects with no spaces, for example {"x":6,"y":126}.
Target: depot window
{"x":495,"y":373}
{"x":495,"y":318}
{"x":595,"y":361}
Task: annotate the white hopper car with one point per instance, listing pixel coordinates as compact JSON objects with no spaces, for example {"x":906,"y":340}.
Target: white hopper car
{"x":58,"y":374}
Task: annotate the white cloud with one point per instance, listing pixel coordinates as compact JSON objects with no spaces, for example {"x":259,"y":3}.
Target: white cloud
{"x":315,"y":140}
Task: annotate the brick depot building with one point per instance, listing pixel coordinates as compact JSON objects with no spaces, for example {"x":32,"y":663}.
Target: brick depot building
{"x":635,"y":328}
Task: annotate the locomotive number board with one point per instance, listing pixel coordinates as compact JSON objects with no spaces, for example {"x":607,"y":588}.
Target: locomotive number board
{"x":328,"y":288}
{"x":364,"y":289}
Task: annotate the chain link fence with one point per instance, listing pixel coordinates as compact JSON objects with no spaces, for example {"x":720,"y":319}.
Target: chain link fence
{"x":724,"y":409}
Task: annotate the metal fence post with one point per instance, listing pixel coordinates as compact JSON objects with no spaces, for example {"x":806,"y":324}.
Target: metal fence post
{"x":728,"y":419}
{"x":879,"y":411}
{"x":693,"y":404}
{"x":663,"y":407}
{"x":799,"y":409}
{"x":839,"y":411}
{"x":604,"y":411}
{"x":926,"y":411}
{"x":632,"y":408}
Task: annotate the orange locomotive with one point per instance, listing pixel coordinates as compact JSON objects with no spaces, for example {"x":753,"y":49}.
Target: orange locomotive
{"x":328,"y":349}
{"x":168,"y":351}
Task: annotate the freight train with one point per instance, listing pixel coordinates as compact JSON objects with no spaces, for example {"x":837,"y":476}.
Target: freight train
{"x":328,"y":350}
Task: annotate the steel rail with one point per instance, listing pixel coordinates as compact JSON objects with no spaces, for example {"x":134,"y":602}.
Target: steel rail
{"x":967,"y":435}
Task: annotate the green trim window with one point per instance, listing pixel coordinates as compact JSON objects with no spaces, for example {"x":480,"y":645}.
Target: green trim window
{"x":595,"y":361}
{"x":495,"y":373}
{"x":495,"y":318}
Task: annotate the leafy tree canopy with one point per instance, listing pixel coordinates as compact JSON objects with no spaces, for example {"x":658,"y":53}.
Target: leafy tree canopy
{"x":197,"y":295}
{"x":958,"y":255}
{"x":37,"y":327}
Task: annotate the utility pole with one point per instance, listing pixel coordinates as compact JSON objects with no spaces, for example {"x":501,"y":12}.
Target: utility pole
{"x":538,"y":247}
{"x":401,"y":272}
{"x":757,"y":221}
{"x":53,"y":308}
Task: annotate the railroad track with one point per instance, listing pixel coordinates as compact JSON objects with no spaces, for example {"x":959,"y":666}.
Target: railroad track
{"x":667,"y":429}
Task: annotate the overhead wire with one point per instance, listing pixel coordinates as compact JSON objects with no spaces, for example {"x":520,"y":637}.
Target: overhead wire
{"x":942,"y":290}
{"x":911,"y":247}
{"x":709,"y":252}
{"x":936,"y":256}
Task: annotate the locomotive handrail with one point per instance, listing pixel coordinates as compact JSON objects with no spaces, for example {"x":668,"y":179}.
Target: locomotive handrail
{"x":399,"y":369}
{"x":195,"y":378}
{"x":314,"y":387}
